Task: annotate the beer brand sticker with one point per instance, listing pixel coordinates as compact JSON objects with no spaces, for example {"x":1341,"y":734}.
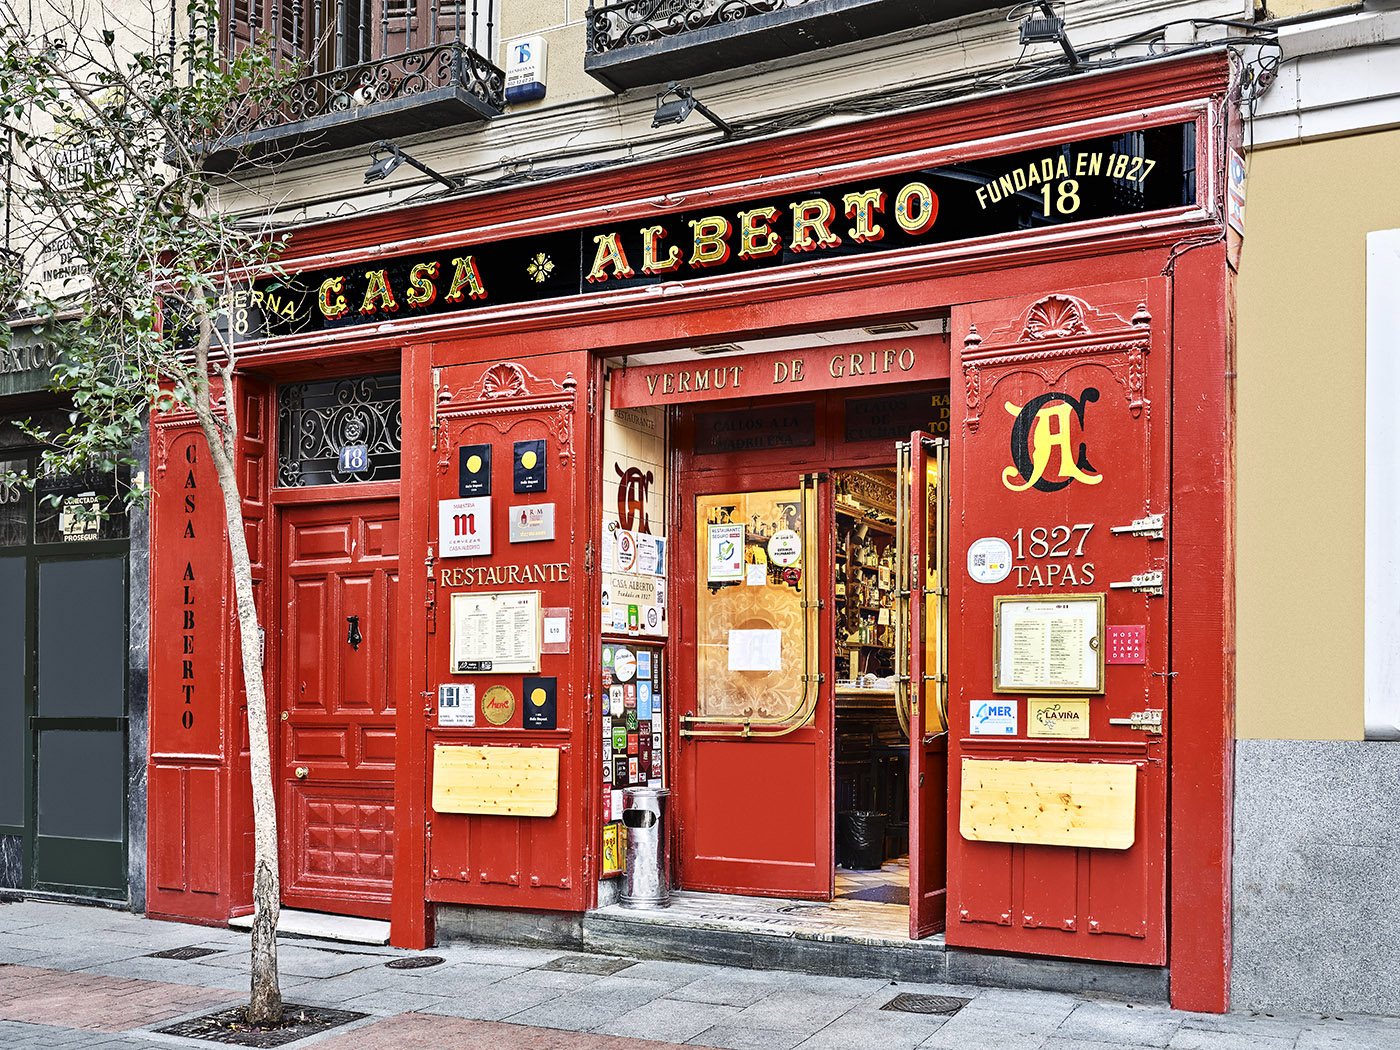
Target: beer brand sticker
{"x":989,"y":559}
{"x":993,"y":718}
{"x":1067,"y":719}
{"x":498,"y":705}
{"x":785,"y":548}
{"x":464,"y":527}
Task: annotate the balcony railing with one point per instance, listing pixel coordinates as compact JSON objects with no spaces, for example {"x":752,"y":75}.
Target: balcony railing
{"x":367,"y":69}
{"x":632,"y":43}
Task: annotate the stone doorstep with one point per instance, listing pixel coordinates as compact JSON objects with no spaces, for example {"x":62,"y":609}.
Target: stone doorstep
{"x":320,"y":926}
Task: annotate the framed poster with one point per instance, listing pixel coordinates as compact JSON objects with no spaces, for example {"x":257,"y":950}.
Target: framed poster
{"x":496,"y":633}
{"x":726,"y":553}
{"x":1051,"y":643}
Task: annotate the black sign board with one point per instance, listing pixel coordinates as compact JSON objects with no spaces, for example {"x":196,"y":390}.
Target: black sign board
{"x":894,"y":418}
{"x":756,"y":429}
{"x":541,"y":707}
{"x":531,"y":473}
{"x":474,"y":470}
{"x":1113,"y":175}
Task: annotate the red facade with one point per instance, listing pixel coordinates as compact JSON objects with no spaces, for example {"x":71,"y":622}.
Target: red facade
{"x":1086,"y":364}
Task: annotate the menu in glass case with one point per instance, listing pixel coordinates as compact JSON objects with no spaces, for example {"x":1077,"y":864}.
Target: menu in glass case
{"x":1049,"y":643}
{"x":496,"y":633}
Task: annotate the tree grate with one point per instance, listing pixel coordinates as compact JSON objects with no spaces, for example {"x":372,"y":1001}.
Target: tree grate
{"x":230,"y":1027}
{"x":415,"y":962}
{"x":912,"y":1003}
{"x":187,"y":952}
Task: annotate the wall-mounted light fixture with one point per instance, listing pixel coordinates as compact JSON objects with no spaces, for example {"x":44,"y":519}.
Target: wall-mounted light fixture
{"x":1047,"y":28}
{"x":671,"y":110}
{"x":386,"y":158}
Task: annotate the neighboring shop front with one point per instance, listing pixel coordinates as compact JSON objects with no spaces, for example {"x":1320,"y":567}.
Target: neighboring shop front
{"x":70,"y":700}
{"x":856,"y":487}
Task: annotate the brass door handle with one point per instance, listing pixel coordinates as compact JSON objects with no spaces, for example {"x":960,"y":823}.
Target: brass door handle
{"x":301,"y":772}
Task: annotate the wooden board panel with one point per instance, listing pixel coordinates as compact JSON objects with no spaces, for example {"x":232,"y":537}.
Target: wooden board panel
{"x":1049,"y":803}
{"x":507,"y":781}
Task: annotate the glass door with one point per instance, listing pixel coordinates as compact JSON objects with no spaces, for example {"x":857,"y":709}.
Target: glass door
{"x":921,"y":666}
{"x":754,"y":780}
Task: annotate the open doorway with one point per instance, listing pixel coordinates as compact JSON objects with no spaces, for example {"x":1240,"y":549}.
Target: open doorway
{"x":871,"y":794}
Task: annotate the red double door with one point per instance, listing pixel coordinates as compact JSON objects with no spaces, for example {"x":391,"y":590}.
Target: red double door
{"x":337,"y":658}
{"x":1060,"y":457}
{"x":754,"y":796}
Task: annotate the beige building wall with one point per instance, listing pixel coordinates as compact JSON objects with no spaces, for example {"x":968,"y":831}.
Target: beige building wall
{"x":1301,"y":442}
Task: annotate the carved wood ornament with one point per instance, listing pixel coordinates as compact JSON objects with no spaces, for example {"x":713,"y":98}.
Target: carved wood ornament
{"x":507,"y":394}
{"x":1046,"y":339}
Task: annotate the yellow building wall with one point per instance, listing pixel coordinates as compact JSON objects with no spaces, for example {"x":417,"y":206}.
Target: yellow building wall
{"x":1301,"y":343}
{"x":562,"y":24}
{"x":1289,"y":8}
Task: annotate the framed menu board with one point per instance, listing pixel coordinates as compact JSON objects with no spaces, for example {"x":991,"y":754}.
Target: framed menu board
{"x":1050,"y":643}
{"x":496,"y":633}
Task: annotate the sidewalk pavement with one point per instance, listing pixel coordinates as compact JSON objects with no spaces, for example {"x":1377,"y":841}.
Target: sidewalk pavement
{"x":82,"y":977}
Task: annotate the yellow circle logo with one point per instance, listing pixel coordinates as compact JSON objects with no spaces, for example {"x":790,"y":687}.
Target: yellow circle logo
{"x":528,"y":460}
{"x":538,"y":697}
{"x":474,"y":464}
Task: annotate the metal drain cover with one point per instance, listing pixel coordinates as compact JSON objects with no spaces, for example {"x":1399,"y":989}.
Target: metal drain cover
{"x":912,"y":1003}
{"x":596,"y":965}
{"x":415,"y":962}
{"x":188,"y":952}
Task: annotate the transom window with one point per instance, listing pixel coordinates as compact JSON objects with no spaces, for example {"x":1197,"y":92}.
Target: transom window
{"x":338,"y":431}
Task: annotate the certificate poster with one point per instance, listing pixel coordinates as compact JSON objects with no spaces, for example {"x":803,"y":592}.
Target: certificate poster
{"x":474,"y":470}
{"x":530,"y":468}
{"x":1049,"y":643}
{"x":725,"y":544}
{"x":497,"y":633}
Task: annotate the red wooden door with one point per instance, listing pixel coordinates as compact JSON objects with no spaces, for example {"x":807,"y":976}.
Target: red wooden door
{"x":754,"y":779}
{"x":1063,"y":458}
{"x":339,"y":594}
{"x":922,"y":474}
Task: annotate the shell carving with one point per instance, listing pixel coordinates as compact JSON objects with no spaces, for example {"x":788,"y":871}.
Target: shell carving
{"x":504,"y":380}
{"x":1055,"y":317}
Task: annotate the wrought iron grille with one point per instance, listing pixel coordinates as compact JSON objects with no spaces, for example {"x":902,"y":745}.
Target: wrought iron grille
{"x":357,"y":52}
{"x":614,"y":24}
{"x":317,"y":421}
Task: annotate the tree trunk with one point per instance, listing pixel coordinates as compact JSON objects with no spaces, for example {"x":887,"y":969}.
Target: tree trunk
{"x":265,"y":1004}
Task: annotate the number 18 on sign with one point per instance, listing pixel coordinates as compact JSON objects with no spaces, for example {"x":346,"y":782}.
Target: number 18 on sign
{"x":464,"y":527}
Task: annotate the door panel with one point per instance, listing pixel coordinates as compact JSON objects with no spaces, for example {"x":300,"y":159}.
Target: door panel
{"x":1064,"y":446}
{"x":922,"y":656}
{"x":340,"y":561}
{"x":80,"y":726}
{"x":754,"y":775}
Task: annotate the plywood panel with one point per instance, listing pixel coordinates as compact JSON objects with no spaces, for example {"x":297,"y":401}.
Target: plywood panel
{"x":507,"y":781}
{"x":1049,"y":803}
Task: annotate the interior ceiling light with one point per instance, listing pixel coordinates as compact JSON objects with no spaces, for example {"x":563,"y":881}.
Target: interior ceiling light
{"x":673,"y":110}
{"x":1046,"y":28}
{"x":718,"y":348}
{"x":382,"y":166}
{"x":891,"y":328}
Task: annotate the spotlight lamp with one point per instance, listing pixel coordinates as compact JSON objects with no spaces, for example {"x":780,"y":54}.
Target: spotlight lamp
{"x":677,"y":102}
{"x":386,"y":158}
{"x":1047,"y":27}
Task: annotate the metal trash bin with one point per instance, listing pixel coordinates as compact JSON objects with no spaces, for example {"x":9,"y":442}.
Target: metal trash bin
{"x":647,"y":883}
